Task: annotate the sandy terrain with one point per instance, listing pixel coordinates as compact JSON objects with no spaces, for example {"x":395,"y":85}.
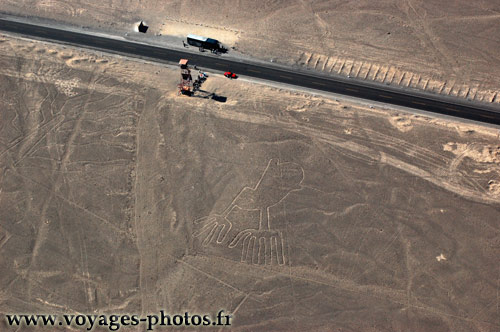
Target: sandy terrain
{"x":293,"y":212}
{"x":451,"y":48}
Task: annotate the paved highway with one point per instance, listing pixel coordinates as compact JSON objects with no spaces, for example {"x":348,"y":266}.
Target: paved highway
{"x":386,"y":94}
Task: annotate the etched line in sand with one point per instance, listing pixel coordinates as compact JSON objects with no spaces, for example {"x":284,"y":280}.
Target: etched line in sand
{"x":474,"y":95}
{"x":334,"y":63}
{"x":308,"y":59}
{"x":392,"y":77}
{"x":378,"y":292}
{"x":467,"y":94}
{"x":426,"y":84}
{"x":409,"y":81}
{"x":442,"y":87}
{"x":376,"y":73}
{"x":359,"y":69}
{"x":4,"y":236}
{"x":428,"y":165}
{"x":418,"y":82}
{"x":402,"y":78}
{"x":341,"y":67}
{"x":325,"y":63}
{"x":350,"y":70}
{"x":368,"y":71}
{"x":318,"y":57}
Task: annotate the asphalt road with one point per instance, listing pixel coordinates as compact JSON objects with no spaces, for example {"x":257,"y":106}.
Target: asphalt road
{"x":385,"y":94}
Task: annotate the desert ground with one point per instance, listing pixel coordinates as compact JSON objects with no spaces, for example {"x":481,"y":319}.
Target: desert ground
{"x":447,"y":48}
{"x":290,"y":211}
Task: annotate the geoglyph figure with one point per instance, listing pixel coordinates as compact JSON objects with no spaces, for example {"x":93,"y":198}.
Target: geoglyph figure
{"x":260,"y":242}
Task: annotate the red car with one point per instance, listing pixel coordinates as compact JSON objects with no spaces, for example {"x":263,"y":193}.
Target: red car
{"x":228,"y":74}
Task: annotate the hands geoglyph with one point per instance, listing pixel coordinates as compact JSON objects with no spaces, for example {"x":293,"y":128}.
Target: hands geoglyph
{"x":259,"y":242}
